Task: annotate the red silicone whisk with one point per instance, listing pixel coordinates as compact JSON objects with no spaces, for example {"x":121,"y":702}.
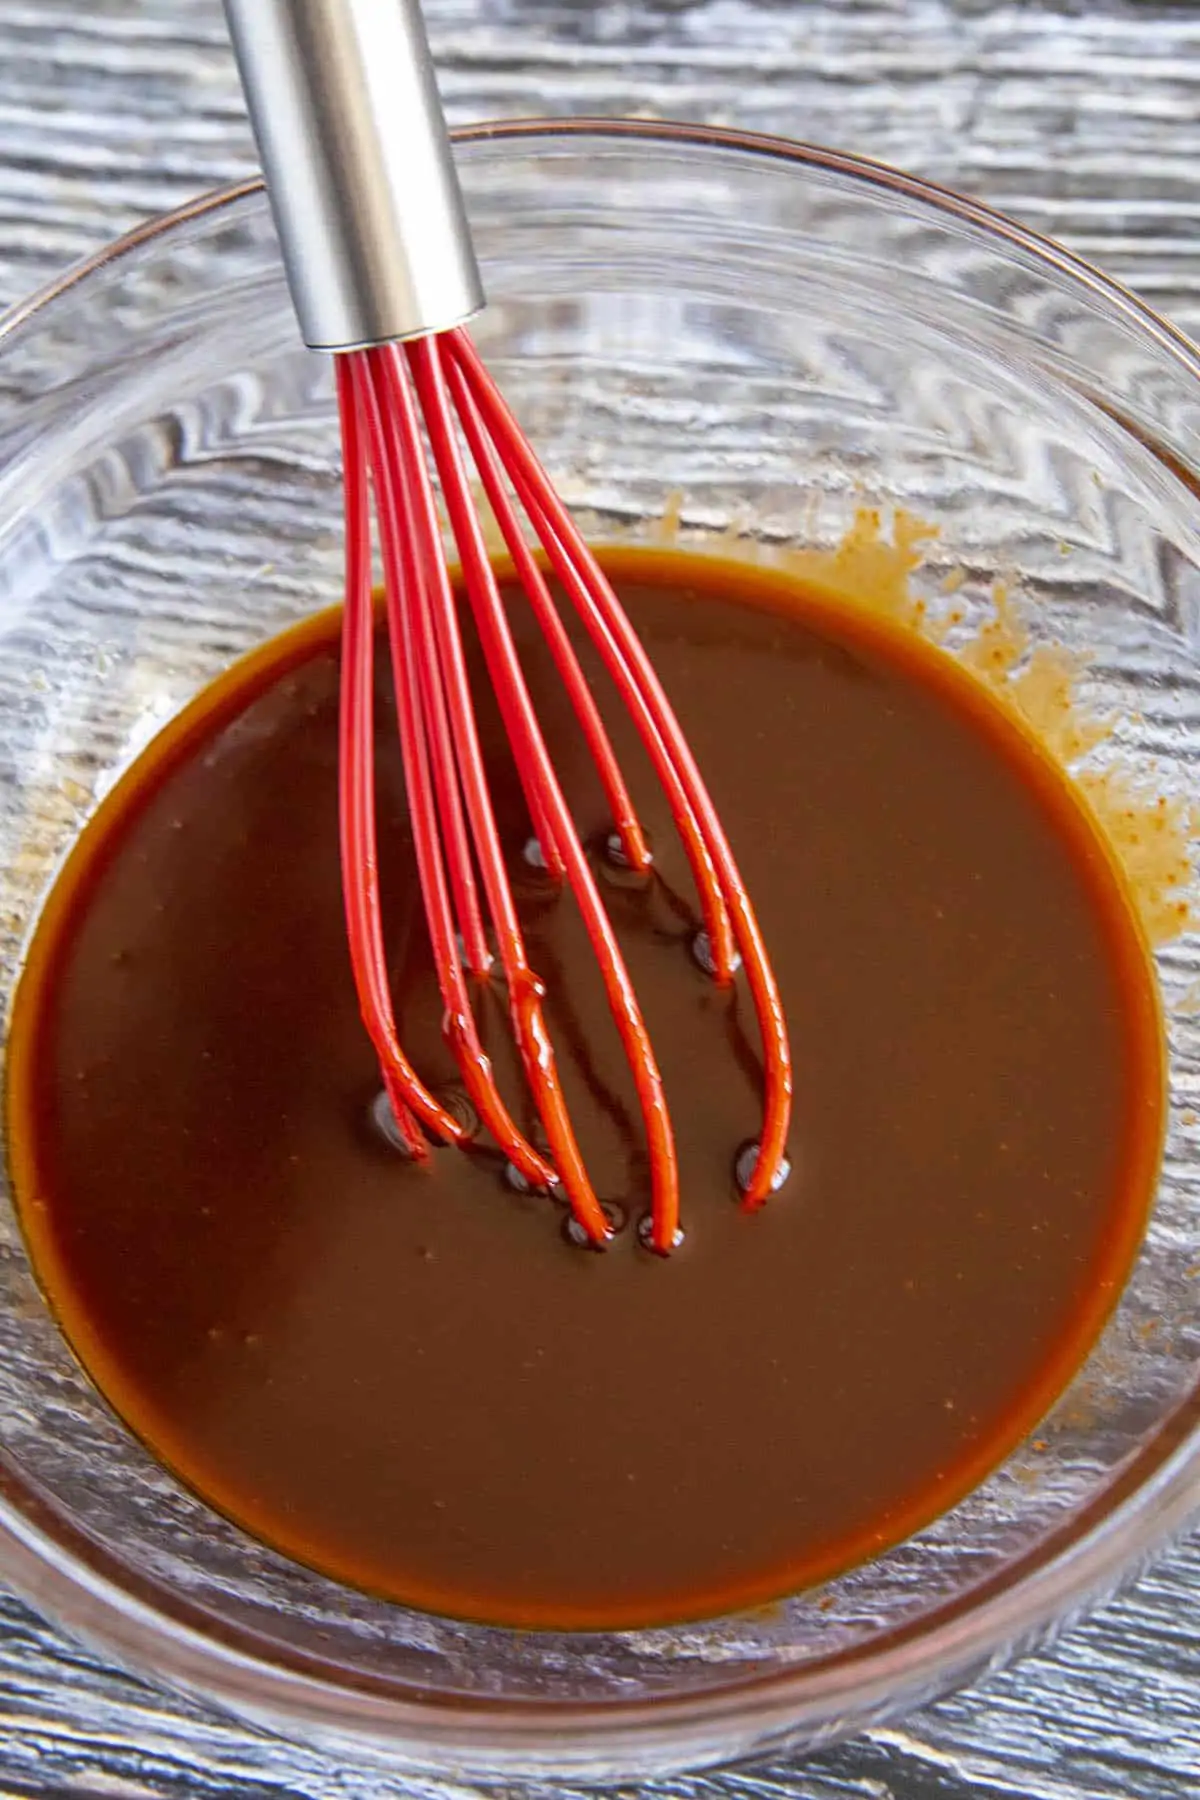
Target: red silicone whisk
{"x":382,"y":273}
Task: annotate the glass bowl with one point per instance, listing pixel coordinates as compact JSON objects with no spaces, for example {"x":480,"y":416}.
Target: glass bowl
{"x":705,"y":334}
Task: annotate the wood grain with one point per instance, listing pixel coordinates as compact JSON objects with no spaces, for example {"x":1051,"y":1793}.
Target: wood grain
{"x":1082,"y":120}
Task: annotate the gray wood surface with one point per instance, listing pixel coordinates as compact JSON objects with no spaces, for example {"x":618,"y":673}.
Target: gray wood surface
{"x":1082,"y":120}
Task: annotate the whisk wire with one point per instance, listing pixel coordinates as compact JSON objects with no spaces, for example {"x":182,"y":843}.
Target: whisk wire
{"x":623,"y":657}
{"x":430,"y":630}
{"x":359,"y":852}
{"x":408,"y":598}
{"x":385,"y":395}
{"x":635,"y":851}
{"x":717,"y":878}
{"x":525,"y":989}
{"x":404,"y":522}
{"x":537,"y":774}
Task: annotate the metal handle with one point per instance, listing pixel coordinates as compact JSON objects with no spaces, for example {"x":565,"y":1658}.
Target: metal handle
{"x":359,"y":170}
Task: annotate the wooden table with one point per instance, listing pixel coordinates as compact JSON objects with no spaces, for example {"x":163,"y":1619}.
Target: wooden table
{"x":1084,"y":121}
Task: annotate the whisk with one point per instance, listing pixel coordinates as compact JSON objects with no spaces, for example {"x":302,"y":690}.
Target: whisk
{"x":382,"y":272}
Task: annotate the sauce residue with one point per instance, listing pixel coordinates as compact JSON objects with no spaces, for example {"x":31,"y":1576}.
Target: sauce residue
{"x":1155,"y":835}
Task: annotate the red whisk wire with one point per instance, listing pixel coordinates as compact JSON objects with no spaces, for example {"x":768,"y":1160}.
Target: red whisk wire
{"x":400,"y":523}
{"x":525,"y":991}
{"x":537,"y":774}
{"x":360,"y":879}
{"x":623,"y":657}
{"x":460,"y":860}
{"x":718,"y":881}
{"x":634,"y":848}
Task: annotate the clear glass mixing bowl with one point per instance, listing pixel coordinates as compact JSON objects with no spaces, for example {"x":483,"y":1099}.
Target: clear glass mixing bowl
{"x":776,"y":335}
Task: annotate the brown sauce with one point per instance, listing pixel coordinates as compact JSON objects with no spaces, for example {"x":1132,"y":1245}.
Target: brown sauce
{"x":407,"y":1377}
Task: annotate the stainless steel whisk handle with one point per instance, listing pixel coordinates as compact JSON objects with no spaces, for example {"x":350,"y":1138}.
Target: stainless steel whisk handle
{"x":359,"y":169}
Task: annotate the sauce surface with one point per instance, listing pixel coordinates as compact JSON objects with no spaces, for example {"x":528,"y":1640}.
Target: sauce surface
{"x":407,"y":1377}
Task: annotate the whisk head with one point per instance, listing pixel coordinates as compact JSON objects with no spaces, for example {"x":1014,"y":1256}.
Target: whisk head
{"x":394,"y":401}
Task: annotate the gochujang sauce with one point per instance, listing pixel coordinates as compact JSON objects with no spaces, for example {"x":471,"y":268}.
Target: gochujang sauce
{"x":407,"y":1377}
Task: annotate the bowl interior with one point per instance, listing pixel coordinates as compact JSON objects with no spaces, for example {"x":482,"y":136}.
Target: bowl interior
{"x":742,"y":349}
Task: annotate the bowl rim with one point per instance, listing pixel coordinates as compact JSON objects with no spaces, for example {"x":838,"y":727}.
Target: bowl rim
{"x":768,"y":146}
{"x":747,"y":1713}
